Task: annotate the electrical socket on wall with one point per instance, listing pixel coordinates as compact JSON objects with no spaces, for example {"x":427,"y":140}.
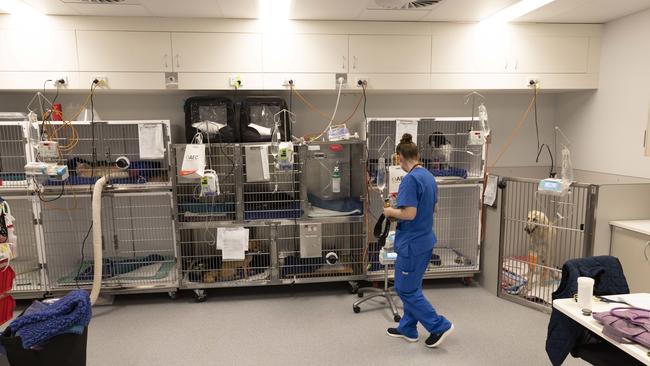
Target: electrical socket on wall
{"x":362,"y":81}
{"x":288,"y":81}
{"x":102,"y":80}
{"x":532,"y":81}
{"x":60,"y":80}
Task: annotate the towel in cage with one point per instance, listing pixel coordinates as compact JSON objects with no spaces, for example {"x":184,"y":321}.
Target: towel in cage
{"x":152,"y":267}
{"x":295,"y":266}
{"x":265,"y":206}
{"x":191,"y":211}
{"x":343,"y":205}
{"x":255,"y":267}
{"x":514,"y":281}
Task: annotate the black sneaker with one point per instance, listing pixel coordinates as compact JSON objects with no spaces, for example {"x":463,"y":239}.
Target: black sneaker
{"x":393,"y":332}
{"x":435,"y":340}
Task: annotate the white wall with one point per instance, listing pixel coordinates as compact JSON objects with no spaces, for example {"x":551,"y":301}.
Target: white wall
{"x":606,"y":126}
{"x":505,"y":110}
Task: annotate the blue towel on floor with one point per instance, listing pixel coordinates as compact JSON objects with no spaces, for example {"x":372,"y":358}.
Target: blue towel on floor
{"x":70,"y":311}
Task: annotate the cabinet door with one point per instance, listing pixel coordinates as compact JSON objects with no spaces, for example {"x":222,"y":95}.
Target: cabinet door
{"x":217,"y":52}
{"x":28,"y":50}
{"x":390,"y":54}
{"x":633,"y":250}
{"x":305,"y":53}
{"x":124,"y":51}
{"x":550,"y":54}
{"x":452,"y":52}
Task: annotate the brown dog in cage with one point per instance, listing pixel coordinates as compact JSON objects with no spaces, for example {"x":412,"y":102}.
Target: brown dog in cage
{"x":542,"y":238}
{"x":230,"y":270}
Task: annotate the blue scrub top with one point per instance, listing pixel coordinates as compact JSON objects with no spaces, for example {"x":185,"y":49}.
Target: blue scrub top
{"x":418,"y":189}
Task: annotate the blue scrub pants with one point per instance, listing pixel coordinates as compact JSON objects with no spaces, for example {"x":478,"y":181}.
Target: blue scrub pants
{"x":408,"y":285}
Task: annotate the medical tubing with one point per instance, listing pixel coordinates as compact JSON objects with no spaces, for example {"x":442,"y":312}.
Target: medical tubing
{"x":97,"y":238}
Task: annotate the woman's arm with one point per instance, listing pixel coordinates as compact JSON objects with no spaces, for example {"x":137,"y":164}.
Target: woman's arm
{"x":405,"y":213}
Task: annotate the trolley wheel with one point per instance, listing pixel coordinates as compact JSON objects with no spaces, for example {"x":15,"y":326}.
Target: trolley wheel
{"x":356,"y":309}
{"x":200,"y":295}
{"x":397,"y":318}
{"x":172,"y":295}
{"x":354,"y":288}
{"x":467,"y":281}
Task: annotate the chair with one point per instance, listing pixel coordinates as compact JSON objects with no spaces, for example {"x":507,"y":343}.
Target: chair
{"x":387,"y":292}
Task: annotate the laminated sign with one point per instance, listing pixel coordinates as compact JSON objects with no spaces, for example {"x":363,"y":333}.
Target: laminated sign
{"x":395,"y":176}
{"x":193,"y":161}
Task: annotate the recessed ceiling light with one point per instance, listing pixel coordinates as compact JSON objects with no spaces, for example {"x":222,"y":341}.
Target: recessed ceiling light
{"x":515,"y":11}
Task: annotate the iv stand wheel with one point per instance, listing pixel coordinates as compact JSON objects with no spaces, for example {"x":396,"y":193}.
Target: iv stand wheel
{"x":397,"y":318}
{"x":200,"y":295}
{"x":356,"y":309}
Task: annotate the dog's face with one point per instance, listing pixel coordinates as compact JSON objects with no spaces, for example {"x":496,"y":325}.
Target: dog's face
{"x":535,"y":219}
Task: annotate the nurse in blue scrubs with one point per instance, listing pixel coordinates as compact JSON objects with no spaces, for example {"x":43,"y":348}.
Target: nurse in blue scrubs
{"x":414,"y":241}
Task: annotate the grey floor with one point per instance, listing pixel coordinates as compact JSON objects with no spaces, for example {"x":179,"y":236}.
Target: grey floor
{"x":309,"y":325}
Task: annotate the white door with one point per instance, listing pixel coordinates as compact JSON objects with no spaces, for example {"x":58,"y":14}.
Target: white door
{"x":314,"y":53}
{"x":124,"y":51}
{"x":217,"y":52}
{"x":550,"y":54}
{"x":30,"y":50}
{"x":390,"y":54}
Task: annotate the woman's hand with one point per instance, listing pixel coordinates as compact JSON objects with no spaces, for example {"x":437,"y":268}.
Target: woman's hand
{"x":388,"y":212}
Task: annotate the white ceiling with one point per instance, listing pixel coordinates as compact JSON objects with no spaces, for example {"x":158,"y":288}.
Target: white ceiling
{"x":560,"y":11}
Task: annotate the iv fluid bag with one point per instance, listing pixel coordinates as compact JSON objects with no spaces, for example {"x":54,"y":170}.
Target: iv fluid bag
{"x":483,"y":118}
{"x":381,"y":174}
{"x":567,"y":167}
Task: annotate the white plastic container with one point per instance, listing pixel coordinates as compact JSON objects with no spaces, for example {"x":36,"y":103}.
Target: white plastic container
{"x":585,"y":292}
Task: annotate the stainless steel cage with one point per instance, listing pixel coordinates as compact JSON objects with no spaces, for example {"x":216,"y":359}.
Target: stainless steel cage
{"x":457,"y":228}
{"x":29,"y":281}
{"x":203,"y":264}
{"x":538,"y":234}
{"x":109,"y":141}
{"x":338,"y":253}
{"x":138,"y":242}
{"x":14,"y":154}
{"x":270,"y":193}
{"x":443,"y":144}
{"x":190,"y":206}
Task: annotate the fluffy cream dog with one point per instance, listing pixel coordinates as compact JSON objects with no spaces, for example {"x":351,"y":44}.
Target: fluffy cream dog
{"x":542,"y":238}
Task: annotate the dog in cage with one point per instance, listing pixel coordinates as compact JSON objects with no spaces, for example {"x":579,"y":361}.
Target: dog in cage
{"x":542,"y":237}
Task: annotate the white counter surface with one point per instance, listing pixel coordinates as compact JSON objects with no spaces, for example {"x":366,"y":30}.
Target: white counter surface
{"x":640,"y":226}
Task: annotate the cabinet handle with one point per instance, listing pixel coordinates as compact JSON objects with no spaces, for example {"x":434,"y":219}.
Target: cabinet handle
{"x":516,"y":65}
{"x":645,"y":251}
{"x":506,"y":67}
{"x":165,"y":60}
{"x":343,"y":63}
{"x":354,"y":62}
{"x":178,"y":60}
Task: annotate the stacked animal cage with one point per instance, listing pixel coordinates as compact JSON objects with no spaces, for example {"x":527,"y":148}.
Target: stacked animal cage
{"x":458,"y":166}
{"x":14,"y":154}
{"x":90,"y":151}
{"x":138,"y":242}
{"x":539,"y":232}
{"x":30,"y":280}
{"x":276,"y":204}
{"x":53,"y":218}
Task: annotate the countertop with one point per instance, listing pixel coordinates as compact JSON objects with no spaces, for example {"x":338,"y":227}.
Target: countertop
{"x":639,"y":226}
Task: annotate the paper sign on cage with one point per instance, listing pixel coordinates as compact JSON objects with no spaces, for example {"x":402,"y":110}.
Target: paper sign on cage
{"x":406,"y":126}
{"x":395,"y":176}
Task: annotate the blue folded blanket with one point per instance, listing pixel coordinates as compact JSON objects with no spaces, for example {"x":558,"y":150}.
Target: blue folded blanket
{"x":449,"y":172}
{"x":116,"y":267}
{"x":340,"y":205}
{"x":71,"y":311}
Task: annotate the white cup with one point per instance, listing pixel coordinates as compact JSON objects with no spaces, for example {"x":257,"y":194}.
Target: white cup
{"x":585,"y":292}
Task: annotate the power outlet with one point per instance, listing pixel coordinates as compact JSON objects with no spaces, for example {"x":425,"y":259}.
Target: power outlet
{"x":235,"y":81}
{"x":60,"y":80}
{"x":288,"y":81}
{"x":362,"y":82}
{"x":102,"y":80}
{"x":533,"y":81}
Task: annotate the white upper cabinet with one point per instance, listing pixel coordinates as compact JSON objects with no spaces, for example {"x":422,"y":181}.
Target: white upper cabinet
{"x":550,"y":54}
{"x":309,"y":53}
{"x":390,"y":54}
{"x":217,"y":52}
{"x":31,"y":50}
{"x":124,"y":51}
